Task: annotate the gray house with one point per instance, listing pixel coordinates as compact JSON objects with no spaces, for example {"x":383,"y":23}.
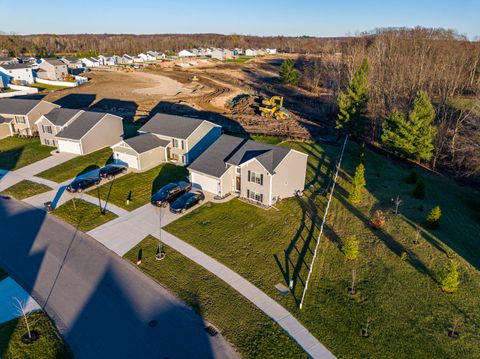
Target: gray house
{"x":18,"y":116}
{"x":82,"y":132}
{"x":257,"y":171}
{"x":72,"y":62}
{"x":166,"y":138}
{"x":53,"y":122}
{"x":52,"y":69}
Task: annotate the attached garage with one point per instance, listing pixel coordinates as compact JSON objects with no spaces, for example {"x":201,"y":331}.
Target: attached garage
{"x":69,"y":146}
{"x":126,"y":159}
{"x":205,"y":183}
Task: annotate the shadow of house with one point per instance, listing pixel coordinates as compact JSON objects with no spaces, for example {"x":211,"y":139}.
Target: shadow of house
{"x":168,"y":173}
{"x":10,"y":158}
{"x":125,"y":109}
{"x":76,"y":101}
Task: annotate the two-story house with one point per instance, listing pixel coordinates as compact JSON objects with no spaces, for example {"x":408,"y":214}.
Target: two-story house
{"x":21,"y":73}
{"x":166,"y":138}
{"x":52,"y":69}
{"x":53,"y":122}
{"x":18,"y":116}
{"x":257,"y":171}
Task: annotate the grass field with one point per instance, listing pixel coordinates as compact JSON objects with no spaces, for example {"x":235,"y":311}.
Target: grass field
{"x":17,"y":152}
{"x":45,"y":87}
{"x":254,"y":334}
{"x":49,"y":346}
{"x":408,"y":315}
{"x":25,"y":189}
{"x":240,"y":59}
{"x":139,"y":187}
{"x":78,"y":165}
{"x":83,"y":214}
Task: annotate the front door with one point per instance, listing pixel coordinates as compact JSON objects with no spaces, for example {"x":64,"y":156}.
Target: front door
{"x":237,"y":183}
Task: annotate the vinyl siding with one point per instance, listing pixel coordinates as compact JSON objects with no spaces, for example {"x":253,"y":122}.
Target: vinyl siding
{"x":228,"y":179}
{"x":106,"y":133}
{"x":201,"y":139}
{"x":41,"y":109}
{"x":152,"y":158}
{"x":290,"y":175}
{"x":5,"y":130}
{"x":246,"y":185}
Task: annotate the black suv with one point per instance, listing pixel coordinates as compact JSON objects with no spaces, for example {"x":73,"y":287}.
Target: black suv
{"x":170,"y":193}
{"x":79,"y":184}
{"x":187,"y":201}
{"x":109,"y":171}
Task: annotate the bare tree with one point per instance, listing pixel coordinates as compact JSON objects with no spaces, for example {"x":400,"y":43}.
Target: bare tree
{"x":22,"y":308}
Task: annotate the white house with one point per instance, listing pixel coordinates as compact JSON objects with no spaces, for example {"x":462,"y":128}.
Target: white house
{"x":147,"y":56}
{"x":16,"y":72}
{"x":271,"y":51}
{"x":217,"y":54}
{"x":250,"y":52}
{"x":138,"y":59}
{"x":127,"y":59}
{"x":186,"y":53}
{"x":90,"y":62}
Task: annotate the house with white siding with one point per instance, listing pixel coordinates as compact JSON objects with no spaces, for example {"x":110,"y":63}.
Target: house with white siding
{"x":90,"y":62}
{"x":186,"y":53}
{"x":21,"y":73}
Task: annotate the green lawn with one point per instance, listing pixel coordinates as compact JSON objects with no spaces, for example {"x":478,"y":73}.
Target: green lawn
{"x":254,"y":334}
{"x":49,"y":346}
{"x":83,"y":214}
{"x":78,"y":165}
{"x":240,"y":59}
{"x":45,"y":87}
{"x":139,"y":187}
{"x":401,"y":300}
{"x":26,"y":189}
{"x":16,"y":152}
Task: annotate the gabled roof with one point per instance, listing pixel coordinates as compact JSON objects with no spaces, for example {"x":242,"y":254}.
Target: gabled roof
{"x":60,"y":116}
{"x":5,"y":120}
{"x":81,"y":125}
{"x":145,"y":142}
{"x":16,"y":106}
{"x":70,"y":59}
{"x":54,"y":62}
{"x":15,"y":66}
{"x":171,"y":125}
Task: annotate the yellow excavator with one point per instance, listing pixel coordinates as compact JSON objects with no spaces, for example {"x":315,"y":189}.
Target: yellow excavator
{"x":273,"y":107}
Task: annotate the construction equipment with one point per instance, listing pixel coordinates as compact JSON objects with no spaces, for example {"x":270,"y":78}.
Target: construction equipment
{"x":273,"y":101}
{"x":273,"y":107}
{"x":195,"y":78}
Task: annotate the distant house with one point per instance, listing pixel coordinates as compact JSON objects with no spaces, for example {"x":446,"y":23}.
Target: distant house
{"x":217,"y":54}
{"x":166,"y":138}
{"x":127,"y":59}
{"x":155,"y":54}
{"x":52,"y":69}
{"x":257,"y":171}
{"x":81,"y":133}
{"x":18,"y":116}
{"x":138,"y":59}
{"x":271,"y":51}
{"x":8,"y":60}
{"x":149,"y":56}
{"x":250,"y":52}
{"x":185,"y":53}
{"x":21,"y":73}
{"x":26,"y":60}
{"x":72,"y":62}
{"x":90,"y":62}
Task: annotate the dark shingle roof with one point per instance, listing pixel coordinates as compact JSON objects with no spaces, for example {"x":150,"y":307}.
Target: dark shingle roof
{"x":60,"y":116}
{"x":16,"y":106}
{"x":146,"y":142}
{"x":15,"y":66}
{"x":81,"y":125}
{"x":54,"y":62}
{"x":5,"y":120}
{"x":171,"y":125}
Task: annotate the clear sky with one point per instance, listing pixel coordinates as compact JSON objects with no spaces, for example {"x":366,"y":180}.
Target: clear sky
{"x":250,"y":17}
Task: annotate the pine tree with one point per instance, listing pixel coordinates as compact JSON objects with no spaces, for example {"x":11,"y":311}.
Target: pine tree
{"x":449,"y":278}
{"x":358,"y":182}
{"x":433,"y":218}
{"x":350,"y":248}
{"x":352,"y":103}
{"x":412,"y":137}
{"x":288,"y":74}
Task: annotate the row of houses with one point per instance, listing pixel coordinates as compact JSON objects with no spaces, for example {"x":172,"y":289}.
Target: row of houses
{"x":224,"y":54}
{"x":113,"y":60}
{"x":217,"y":163}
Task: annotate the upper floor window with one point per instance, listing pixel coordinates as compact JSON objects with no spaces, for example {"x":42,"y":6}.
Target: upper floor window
{"x":47,"y":129}
{"x":178,"y":143}
{"x":255,"y":177}
{"x":19,"y":119}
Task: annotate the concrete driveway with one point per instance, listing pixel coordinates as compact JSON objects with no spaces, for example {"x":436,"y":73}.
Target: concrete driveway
{"x":104,"y":306}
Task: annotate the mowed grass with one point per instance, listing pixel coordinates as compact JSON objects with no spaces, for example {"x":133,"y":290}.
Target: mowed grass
{"x":408,"y":315}
{"x":17,"y":152}
{"x":253,"y":333}
{"x":50,"y":345}
{"x":83,"y":215}
{"x":139,"y":187}
{"x":240,"y":59}
{"x":25,"y":189}
{"x":78,"y":166}
{"x":45,"y":87}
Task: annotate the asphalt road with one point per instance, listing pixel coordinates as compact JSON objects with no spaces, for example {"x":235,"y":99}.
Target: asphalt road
{"x":103,"y":306}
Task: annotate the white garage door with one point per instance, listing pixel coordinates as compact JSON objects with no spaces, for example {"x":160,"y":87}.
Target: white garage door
{"x":126,"y":160}
{"x":69,"y":147}
{"x":205,"y":183}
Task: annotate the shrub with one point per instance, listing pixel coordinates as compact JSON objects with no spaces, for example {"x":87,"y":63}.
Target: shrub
{"x":404,"y":256}
{"x":420,"y":190}
{"x":450,"y":253}
{"x":449,"y":278}
{"x":350,"y":248}
{"x":412,"y":178}
{"x":433,"y":218}
{"x":378,"y":219}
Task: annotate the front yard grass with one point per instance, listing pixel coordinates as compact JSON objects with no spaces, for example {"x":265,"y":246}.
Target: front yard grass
{"x":139,"y":187}
{"x":78,"y":165}
{"x":17,"y":152}
{"x":398,"y":295}
{"x":50,"y":345}
{"x":45,"y":87}
{"x":252,"y":332}
{"x":25,"y":189}
{"x":83,"y":215}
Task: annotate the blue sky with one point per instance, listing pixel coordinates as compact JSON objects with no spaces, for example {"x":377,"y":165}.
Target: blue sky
{"x":287,"y":17}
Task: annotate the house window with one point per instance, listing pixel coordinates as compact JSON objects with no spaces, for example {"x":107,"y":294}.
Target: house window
{"x":255,"y":177}
{"x":47,"y":142}
{"x":19,"y":119}
{"x":254,"y":196}
{"x":175,"y":143}
{"x":47,"y":129}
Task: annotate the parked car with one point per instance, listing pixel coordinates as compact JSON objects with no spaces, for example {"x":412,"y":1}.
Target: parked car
{"x":187,"y":201}
{"x":169,"y":193}
{"x":109,"y":171}
{"x":79,"y":184}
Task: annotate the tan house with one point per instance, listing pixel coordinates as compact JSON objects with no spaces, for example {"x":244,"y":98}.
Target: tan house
{"x":257,"y":171}
{"x":53,"y":122}
{"x":18,"y":116}
{"x":166,"y":138}
{"x":52,"y":69}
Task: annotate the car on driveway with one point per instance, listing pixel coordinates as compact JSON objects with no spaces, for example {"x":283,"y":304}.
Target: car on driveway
{"x":169,"y":193}
{"x":110,"y":171}
{"x":186,"y":201}
{"x":79,"y":184}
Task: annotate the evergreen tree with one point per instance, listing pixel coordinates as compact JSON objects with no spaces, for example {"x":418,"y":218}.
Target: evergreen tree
{"x":412,"y":137}
{"x":449,"y":278}
{"x":358,"y":182}
{"x":350,"y":248}
{"x":352,"y":103}
{"x":288,"y":74}
{"x":433,"y":218}
{"x":412,"y":178}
